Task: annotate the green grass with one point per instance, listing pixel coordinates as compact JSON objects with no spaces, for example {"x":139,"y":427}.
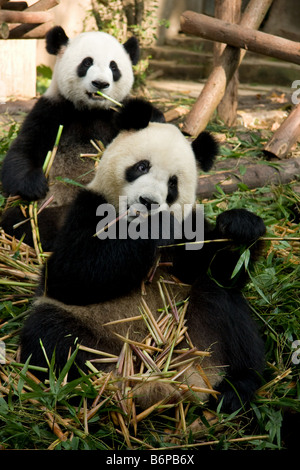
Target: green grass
{"x":28,"y":407}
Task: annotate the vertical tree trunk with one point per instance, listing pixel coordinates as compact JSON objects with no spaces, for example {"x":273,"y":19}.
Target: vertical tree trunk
{"x":134,"y":11}
{"x":229,"y":11}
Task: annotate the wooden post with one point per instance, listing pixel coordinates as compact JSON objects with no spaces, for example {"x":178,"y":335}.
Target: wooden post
{"x":222,"y":73}
{"x":285,"y":136}
{"x":242,"y":37}
{"x":229,"y":11}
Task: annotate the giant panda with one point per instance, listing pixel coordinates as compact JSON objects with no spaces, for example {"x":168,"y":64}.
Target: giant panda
{"x":91,"y":280}
{"x":92,"y":61}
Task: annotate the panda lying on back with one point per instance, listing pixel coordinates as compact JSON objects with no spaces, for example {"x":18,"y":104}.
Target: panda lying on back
{"x":90,"y":280}
{"x":91,"y":62}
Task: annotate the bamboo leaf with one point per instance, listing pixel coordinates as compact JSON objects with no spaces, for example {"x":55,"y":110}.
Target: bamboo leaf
{"x":242,"y":261}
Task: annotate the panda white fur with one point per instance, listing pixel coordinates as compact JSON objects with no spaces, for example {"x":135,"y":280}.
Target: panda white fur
{"x":89,"y":281}
{"x":91,"y":62}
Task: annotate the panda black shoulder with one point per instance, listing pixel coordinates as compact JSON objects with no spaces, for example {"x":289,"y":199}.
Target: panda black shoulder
{"x":82,"y":213}
{"x":51,"y":111}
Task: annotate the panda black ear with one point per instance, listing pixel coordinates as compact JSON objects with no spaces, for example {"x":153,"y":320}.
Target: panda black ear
{"x":132,"y":48}
{"x":205,"y":148}
{"x":55,"y":39}
{"x":136,"y":114}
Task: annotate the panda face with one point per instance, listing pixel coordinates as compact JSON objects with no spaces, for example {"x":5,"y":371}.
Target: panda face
{"x":154,"y":167}
{"x":92,"y":62}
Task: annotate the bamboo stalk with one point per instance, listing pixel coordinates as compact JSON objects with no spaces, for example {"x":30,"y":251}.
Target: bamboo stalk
{"x":160,"y":339}
{"x":96,"y":351}
{"x":209,"y":443}
{"x":51,"y":154}
{"x":109,"y":98}
{"x":138,"y":344}
{"x":123,"y":320}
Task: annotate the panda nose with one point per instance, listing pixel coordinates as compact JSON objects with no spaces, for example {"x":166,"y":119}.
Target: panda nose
{"x":100,"y":85}
{"x":147,"y":202}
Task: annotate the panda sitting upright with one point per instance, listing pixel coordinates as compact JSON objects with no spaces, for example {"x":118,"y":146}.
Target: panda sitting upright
{"x":92,"y":280}
{"x":91,"y":62}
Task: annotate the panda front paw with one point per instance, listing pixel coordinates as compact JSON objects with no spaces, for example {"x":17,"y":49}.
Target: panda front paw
{"x":34,"y":185}
{"x":240,"y":225}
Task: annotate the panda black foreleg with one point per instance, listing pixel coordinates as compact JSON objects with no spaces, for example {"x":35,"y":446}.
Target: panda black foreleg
{"x":20,"y":177}
{"x":49,"y":330}
{"x":243,"y":229}
{"x":22,"y":170}
{"x":240,"y":230}
{"x":219,"y":319}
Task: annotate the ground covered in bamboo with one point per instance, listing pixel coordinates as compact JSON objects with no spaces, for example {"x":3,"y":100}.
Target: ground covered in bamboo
{"x":91,"y":412}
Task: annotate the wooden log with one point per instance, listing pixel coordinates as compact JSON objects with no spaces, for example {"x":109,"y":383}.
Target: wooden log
{"x":175,"y":113}
{"x":43,"y":5}
{"x":17,"y":6}
{"x":230,"y":11}
{"x":256,"y":176}
{"x":7,"y":16}
{"x":27,"y":31}
{"x":2,"y":2}
{"x":241,"y":36}
{"x":285,"y":136}
{"x":30,"y":31}
{"x":222,"y":73}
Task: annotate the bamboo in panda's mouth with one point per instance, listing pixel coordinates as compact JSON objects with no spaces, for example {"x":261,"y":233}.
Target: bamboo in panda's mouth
{"x":100,"y":94}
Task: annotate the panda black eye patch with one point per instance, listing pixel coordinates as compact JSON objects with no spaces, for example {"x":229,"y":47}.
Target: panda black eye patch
{"x":115,"y":70}
{"x":172,"y":189}
{"x":84,"y":65}
{"x":138,"y":169}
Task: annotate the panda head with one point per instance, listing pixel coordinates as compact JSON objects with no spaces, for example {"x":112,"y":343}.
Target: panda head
{"x":91,"y":62}
{"x":152,"y":163}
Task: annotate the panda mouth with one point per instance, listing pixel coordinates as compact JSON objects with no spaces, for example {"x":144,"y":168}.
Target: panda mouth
{"x":95,"y":96}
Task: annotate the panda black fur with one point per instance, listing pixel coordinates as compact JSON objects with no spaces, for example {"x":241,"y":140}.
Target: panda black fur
{"x":90,"y":62}
{"x":88,"y":282}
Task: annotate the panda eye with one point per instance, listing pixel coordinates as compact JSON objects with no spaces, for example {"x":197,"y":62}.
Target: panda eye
{"x":116,"y":73}
{"x":143,"y":166}
{"x":83,"y":67}
{"x":113,"y":66}
{"x":173,"y":180}
{"x":172,"y":189}
{"x":138,"y":169}
{"x":87,"y":62}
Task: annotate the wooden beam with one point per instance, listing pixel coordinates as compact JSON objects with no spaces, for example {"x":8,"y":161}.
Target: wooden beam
{"x":18,"y":6}
{"x":43,"y":5}
{"x":285,"y":136}
{"x":242,"y":37}
{"x":230,"y":11}
{"x":29,"y":31}
{"x":7,"y":16}
{"x":222,"y":73}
